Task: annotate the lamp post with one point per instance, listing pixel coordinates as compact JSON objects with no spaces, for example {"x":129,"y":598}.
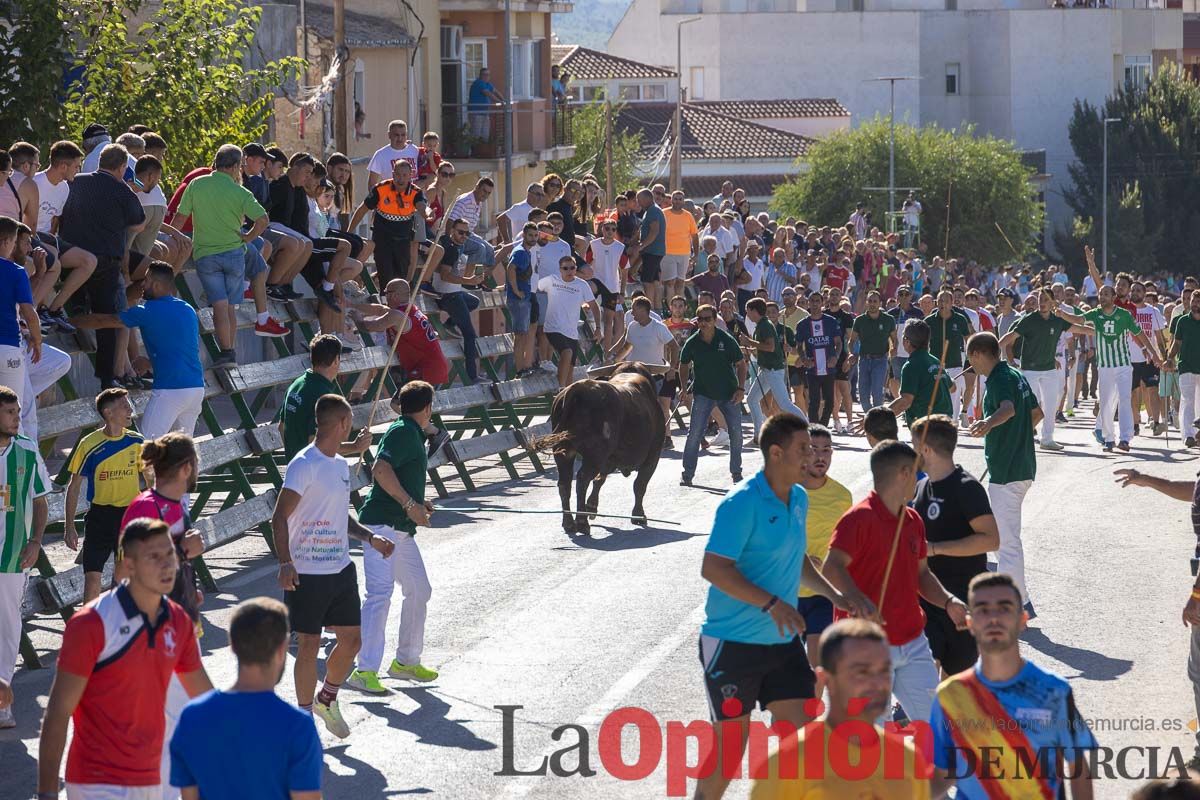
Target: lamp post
{"x":508,"y":110}
{"x":1104,"y":203}
{"x":891,"y":79}
{"x":676,"y":153}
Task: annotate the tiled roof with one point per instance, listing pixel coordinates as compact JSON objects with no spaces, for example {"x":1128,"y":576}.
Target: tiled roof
{"x":710,"y":135}
{"x":586,"y":64}
{"x":362,"y":30}
{"x":779,"y":109}
{"x":702,"y":187}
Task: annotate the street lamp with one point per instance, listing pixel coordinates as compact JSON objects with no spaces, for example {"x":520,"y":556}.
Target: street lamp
{"x":676,"y":153}
{"x":891,"y":79}
{"x":1104,"y":202}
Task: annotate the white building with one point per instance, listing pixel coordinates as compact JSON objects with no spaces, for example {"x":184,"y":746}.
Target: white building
{"x":1013,"y":68}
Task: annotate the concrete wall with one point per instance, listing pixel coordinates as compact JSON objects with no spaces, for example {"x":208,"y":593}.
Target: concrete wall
{"x":816,"y":127}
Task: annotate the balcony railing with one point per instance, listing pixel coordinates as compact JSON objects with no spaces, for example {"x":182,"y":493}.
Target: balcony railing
{"x":478,"y":131}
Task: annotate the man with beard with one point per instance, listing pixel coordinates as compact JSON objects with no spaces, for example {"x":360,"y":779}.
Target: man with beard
{"x":1009,"y":710}
{"x":1145,"y":373}
{"x":856,"y":669}
{"x":217,"y":731}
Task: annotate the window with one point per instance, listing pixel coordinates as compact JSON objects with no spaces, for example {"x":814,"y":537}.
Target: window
{"x":593,"y":94}
{"x":654,"y":91}
{"x":696,"y":83}
{"x":573,"y":92}
{"x":1137,"y":72}
{"x":629,"y":91}
{"x":952,"y":78}
{"x":474,"y":56}
{"x":526,"y":79}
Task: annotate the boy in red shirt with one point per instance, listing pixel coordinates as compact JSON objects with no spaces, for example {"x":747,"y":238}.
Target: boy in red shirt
{"x":118,"y":655}
{"x":858,"y":557}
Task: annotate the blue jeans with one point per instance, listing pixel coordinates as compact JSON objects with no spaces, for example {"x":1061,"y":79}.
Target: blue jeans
{"x":872,"y":372}
{"x":702,"y":408}
{"x":773,"y":382}
{"x":459,"y":306}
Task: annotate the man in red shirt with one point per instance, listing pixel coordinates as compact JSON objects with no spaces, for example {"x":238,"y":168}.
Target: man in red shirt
{"x":419,"y":351}
{"x":118,"y":654}
{"x":863,"y":540}
{"x":837,"y":274}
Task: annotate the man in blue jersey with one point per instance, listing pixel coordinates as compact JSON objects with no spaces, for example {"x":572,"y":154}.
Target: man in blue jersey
{"x":1005,"y":727}
{"x":752,"y":639}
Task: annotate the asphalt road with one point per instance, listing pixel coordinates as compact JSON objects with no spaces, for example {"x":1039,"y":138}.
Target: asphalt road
{"x":567,"y":630}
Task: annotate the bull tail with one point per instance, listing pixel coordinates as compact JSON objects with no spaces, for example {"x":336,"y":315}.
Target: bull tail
{"x":561,"y":443}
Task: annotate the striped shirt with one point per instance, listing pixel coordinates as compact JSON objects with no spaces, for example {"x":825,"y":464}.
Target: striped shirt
{"x":22,"y":478}
{"x":778,"y":278}
{"x":1112,"y":346}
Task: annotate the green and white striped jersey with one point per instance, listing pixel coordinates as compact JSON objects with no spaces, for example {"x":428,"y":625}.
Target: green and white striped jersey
{"x":22,"y":478}
{"x":1112,"y":346}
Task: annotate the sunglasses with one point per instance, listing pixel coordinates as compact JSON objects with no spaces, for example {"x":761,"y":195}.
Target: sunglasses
{"x":567,"y":269}
{"x":460,"y":231}
{"x":446,"y":174}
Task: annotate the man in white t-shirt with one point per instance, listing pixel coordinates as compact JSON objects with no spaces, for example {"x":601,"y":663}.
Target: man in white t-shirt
{"x":546,"y":257}
{"x":1145,"y":374}
{"x":650,"y":341}
{"x":398,"y":147}
{"x":54,"y":184}
{"x":606,"y":272}
{"x":312,"y":529}
{"x":727,"y":244}
{"x":567,"y":294}
{"x":514,"y":218}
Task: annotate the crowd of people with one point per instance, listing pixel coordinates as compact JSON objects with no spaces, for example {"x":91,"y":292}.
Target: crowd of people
{"x":819,"y":331}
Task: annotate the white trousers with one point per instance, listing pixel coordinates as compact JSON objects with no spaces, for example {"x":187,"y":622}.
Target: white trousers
{"x":960,"y":389}
{"x":12,"y":369}
{"x":914,"y":677}
{"x":172,"y":410}
{"x":103,"y":791}
{"x":12,"y":589}
{"x":406,"y":568}
{"x":1116,"y":386}
{"x":1189,"y":401}
{"x":1047,"y":386}
{"x":39,"y":377}
{"x":1006,"y":500}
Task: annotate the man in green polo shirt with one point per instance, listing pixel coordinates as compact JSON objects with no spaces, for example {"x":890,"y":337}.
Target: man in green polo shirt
{"x":952,"y":325}
{"x":1011,"y":412}
{"x":1185,"y":346}
{"x":1039,"y":333}
{"x":394,"y":507}
{"x":297,"y":418}
{"x":875,"y":333}
{"x":925,"y":387}
{"x":719,"y":382}
{"x":771,"y":374}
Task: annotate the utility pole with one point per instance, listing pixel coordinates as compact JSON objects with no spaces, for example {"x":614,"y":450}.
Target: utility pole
{"x":1104,"y":203}
{"x":892,"y":146}
{"x":508,"y":118}
{"x":341,"y":136}
{"x":676,"y":150}
{"x":608,"y":153}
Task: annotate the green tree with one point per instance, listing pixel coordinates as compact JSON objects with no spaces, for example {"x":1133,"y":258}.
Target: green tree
{"x":34,"y":56}
{"x":983,"y":179}
{"x":588,"y":128}
{"x":1156,"y":145}
{"x":184,"y":72}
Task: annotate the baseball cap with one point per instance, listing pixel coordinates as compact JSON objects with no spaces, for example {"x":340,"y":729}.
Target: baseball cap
{"x":95,"y":129}
{"x":276,"y":155}
{"x":1006,"y":292}
{"x":254,"y":150}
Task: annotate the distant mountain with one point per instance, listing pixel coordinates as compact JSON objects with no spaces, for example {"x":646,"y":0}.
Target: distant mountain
{"x":590,"y":24}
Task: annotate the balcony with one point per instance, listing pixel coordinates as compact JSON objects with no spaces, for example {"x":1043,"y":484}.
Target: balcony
{"x":540,"y":131}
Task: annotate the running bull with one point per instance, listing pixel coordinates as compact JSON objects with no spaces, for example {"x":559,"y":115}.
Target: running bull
{"x":610,"y":425}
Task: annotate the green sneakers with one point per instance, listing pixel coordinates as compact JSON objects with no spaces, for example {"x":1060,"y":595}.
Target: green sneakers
{"x":331,"y":715}
{"x":367,"y":682}
{"x":411,"y":672}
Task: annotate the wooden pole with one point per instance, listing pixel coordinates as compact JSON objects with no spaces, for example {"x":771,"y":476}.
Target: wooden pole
{"x":608,"y":153}
{"x":341,"y":137}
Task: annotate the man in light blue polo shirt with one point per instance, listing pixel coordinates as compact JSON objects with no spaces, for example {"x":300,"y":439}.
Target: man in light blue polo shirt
{"x":171,"y":333}
{"x":751,"y":642}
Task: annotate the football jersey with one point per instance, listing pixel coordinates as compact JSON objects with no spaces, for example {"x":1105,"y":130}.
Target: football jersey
{"x":22,"y":478}
{"x":111,"y":465}
{"x":1112,"y":346}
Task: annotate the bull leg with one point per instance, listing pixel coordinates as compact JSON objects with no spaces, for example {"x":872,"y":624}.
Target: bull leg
{"x":565,"y":465}
{"x":645,"y":472}
{"x":593,"y":502}
{"x":582,"y":478}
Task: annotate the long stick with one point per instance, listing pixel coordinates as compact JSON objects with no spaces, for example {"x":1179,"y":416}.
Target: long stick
{"x":483,"y":509}
{"x":1010,"y":244}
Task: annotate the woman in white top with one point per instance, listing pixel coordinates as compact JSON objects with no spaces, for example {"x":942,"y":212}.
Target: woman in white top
{"x":749,"y":278}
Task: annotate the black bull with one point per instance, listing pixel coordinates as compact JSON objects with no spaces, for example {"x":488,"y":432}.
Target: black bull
{"x":614,"y":424}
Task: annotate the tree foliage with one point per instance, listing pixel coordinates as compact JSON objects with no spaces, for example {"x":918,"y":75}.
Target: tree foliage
{"x":185,"y":72}
{"x":983,"y":177}
{"x":1155,"y":149}
{"x":588,"y":128}
{"x":34,"y":56}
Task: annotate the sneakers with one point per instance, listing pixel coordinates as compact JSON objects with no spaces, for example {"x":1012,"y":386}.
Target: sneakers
{"x":276,"y":292}
{"x":57,"y":318}
{"x":1108,"y":447}
{"x":331,"y":715}
{"x":1060,"y":417}
{"x":1160,"y":428}
{"x":1098,"y":436}
{"x":271,"y":328}
{"x":327,"y":297}
{"x":1071,"y":413}
{"x":549,"y":366}
{"x":1189,"y":442}
{"x":1050,"y":444}
{"x":722,"y":438}
{"x":227,"y":358}
{"x":685,"y":481}
{"x":366,"y":681}
{"x":737,"y":477}
{"x":437,"y":441}
{"x":6,"y":718}
{"x":1028,"y":607}
{"x":248,"y":294}
{"x":1123,"y":446}
{"x":411,"y":672}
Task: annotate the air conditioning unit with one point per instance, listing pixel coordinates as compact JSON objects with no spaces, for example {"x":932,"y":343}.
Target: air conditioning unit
{"x":452,"y":43}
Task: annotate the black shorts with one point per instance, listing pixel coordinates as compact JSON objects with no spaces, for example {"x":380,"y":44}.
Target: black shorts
{"x":651,"y":269}
{"x":669,"y":388}
{"x":560,"y":343}
{"x":101,"y":532}
{"x":955,"y":650}
{"x":321,"y":601}
{"x":1145,"y":374}
{"x":817,"y":612}
{"x":753,"y":674}
{"x":796,"y":376}
{"x":608,"y":298}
